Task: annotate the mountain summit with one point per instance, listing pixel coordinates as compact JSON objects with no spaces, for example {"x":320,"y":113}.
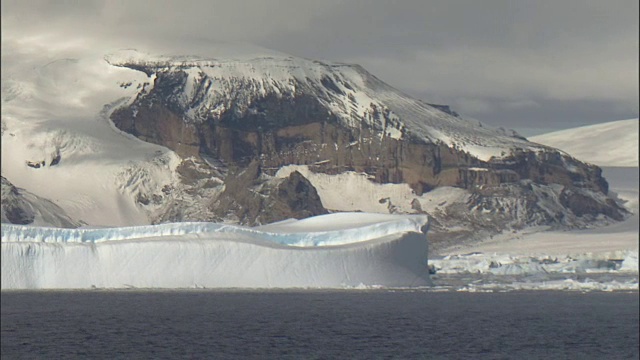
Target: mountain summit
{"x":301,"y":136}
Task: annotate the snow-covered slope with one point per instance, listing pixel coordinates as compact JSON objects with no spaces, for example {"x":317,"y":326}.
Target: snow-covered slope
{"x":357,"y":98}
{"x":58,"y":143}
{"x":332,"y":251}
{"x":608,"y":144}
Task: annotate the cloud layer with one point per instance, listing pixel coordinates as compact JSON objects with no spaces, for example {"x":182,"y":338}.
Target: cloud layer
{"x":513,"y":63}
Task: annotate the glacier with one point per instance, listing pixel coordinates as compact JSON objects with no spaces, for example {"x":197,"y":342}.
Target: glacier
{"x":330,"y":251}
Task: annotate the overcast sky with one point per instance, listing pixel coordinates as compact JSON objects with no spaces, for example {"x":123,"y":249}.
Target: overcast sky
{"x":528,"y":65}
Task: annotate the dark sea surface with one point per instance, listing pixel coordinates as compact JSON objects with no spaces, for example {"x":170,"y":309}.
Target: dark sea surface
{"x":378,"y":324}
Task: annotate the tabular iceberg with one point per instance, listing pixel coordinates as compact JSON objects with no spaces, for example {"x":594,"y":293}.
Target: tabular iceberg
{"x":331,"y":251}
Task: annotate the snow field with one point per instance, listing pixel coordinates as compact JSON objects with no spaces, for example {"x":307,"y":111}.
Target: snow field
{"x":61,"y":109}
{"x":608,"y":144}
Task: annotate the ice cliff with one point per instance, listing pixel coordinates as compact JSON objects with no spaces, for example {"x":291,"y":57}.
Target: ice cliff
{"x":331,"y":251}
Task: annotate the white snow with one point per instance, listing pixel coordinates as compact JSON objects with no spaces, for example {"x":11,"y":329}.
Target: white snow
{"x":52,"y":105}
{"x":342,"y":250}
{"x":608,"y":144}
{"x":351,"y":191}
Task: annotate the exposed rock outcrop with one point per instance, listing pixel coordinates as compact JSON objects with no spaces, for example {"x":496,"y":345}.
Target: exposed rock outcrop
{"x":254,"y":201}
{"x":14,"y":209}
{"x":331,"y":148}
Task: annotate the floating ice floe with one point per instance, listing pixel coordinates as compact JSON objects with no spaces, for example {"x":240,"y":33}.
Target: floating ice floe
{"x":502,"y":264}
{"x":473,"y":272}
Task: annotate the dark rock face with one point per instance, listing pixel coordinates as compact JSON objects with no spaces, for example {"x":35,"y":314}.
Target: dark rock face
{"x":584,"y":204}
{"x":14,"y":210}
{"x":445,"y":108}
{"x":253,"y":202}
{"x":22,"y":207}
{"x":297,"y":129}
{"x":295,"y":197}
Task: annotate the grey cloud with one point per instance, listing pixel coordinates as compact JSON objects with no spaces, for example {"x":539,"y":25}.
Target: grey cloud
{"x":504,"y":61}
{"x":365,"y":26}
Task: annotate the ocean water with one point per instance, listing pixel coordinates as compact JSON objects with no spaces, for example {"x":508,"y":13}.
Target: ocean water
{"x":367,"y":324}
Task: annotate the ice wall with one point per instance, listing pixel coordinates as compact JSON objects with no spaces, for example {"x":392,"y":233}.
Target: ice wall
{"x":243,"y":258}
{"x":333,"y":229}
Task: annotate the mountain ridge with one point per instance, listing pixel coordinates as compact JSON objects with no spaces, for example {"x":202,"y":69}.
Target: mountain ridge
{"x":345,"y":90}
{"x":212,"y":119}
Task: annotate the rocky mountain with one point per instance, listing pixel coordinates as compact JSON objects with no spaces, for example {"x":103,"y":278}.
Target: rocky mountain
{"x":263,"y":137}
{"x":334,"y":117}
{"x":337,"y":118}
{"x":19,"y":206}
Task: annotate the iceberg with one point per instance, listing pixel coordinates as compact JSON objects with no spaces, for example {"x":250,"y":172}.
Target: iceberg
{"x":342,"y":250}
